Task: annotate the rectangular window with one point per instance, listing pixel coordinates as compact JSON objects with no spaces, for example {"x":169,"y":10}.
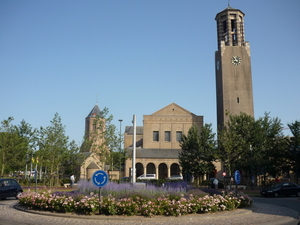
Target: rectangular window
{"x":167,"y":135}
{"x":178,"y":135}
{"x":155,"y":135}
{"x":225,"y":26}
{"x":233,"y":25}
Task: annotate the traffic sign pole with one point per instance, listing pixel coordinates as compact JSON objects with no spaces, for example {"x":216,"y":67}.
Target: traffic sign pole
{"x":237,"y":179}
{"x":100,"y":178}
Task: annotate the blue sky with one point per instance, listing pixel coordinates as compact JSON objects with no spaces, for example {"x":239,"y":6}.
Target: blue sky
{"x":138,"y":56}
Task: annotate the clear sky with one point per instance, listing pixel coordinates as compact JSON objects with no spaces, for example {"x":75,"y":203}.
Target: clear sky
{"x":138,"y":56}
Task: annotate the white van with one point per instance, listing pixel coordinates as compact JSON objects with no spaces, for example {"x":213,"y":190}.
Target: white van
{"x":146,"y":177}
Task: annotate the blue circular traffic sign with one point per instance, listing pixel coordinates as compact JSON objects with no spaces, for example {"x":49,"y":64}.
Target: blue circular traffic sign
{"x":237,"y":177}
{"x":100,"y":178}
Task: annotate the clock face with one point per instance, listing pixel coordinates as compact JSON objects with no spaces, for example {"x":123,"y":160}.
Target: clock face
{"x":236,"y":60}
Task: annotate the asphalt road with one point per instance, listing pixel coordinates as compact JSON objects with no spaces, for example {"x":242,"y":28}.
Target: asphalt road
{"x":287,"y":202}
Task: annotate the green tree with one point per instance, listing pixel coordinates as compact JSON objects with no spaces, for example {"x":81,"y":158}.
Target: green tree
{"x":270,"y":147}
{"x":294,"y":158}
{"x":198,"y":151}
{"x":243,"y":128}
{"x":12,"y":151}
{"x":230,"y":146}
{"x":30,"y":137}
{"x":53,"y":147}
{"x":257,"y":147}
{"x":74,"y":158}
{"x":234,"y":140}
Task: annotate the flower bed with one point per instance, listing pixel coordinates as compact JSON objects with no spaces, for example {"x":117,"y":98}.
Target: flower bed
{"x":135,"y":203}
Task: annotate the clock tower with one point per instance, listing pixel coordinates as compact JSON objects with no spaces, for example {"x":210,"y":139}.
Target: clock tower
{"x":233,"y":66}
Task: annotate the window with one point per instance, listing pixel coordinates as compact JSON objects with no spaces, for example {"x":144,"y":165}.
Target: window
{"x":225,"y":26}
{"x":233,"y":25}
{"x":13,"y":182}
{"x":155,"y":135}
{"x":234,"y":43}
{"x":167,"y":135}
{"x":178,"y":135}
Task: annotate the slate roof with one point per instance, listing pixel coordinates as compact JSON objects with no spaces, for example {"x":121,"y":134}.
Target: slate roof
{"x":95,"y":112}
{"x":129,"y":130}
{"x":154,"y":153}
{"x":83,"y":156}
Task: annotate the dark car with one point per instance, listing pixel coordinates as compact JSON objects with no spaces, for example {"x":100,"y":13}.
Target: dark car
{"x":125,"y":179}
{"x":283,"y":189}
{"x":10,"y":188}
{"x":220,"y":183}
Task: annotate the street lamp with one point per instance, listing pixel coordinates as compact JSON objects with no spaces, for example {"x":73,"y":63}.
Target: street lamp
{"x":120,"y":120}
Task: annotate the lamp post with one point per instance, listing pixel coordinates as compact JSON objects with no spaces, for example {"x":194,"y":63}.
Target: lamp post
{"x":251,"y":175}
{"x":120,"y":120}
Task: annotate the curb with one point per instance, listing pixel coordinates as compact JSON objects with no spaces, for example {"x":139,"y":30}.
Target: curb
{"x":138,"y":218}
{"x":267,"y":214}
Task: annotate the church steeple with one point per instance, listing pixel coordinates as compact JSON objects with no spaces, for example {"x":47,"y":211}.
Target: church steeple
{"x":96,"y":112}
{"x":233,"y":66}
{"x":230,"y":27}
{"x":93,"y":122}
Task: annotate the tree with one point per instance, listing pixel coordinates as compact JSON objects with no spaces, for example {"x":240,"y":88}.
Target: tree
{"x":73,"y":158}
{"x":198,"y":151}
{"x":295,"y":148}
{"x":53,"y":146}
{"x":271,"y":147}
{"x":234,"y":141}
{"x":253,"y":146}
{"x":30,"y":137}
{"x":12,"y":148}
{"x":230,"y":148}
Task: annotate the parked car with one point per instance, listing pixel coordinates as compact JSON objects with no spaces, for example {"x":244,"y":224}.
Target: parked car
{"x":147,"y":177}
{"x":220,"y":183}
{"x":125,"y":179}
{"x":283,"y":189}
{"x":175,"y":177}
{"x":10,"y":188}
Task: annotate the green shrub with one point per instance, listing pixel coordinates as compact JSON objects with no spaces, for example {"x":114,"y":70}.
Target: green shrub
{"x":136,"y":204}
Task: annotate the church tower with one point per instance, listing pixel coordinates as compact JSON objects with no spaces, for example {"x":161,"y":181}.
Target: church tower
{"x":94,"y":126}
{"x":233,"y":66}
{"x":91,"y":159}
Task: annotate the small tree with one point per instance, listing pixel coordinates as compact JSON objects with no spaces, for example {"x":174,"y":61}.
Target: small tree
{"x":74,"y":158}
{"x":53,"y":147}
{"x":230,"y":146}
{"x":295,"y":148}
{"x":271,"y":145}
{"x":198,"y":151}
{"x":30,"y":136}
{"x":12,"y":148}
